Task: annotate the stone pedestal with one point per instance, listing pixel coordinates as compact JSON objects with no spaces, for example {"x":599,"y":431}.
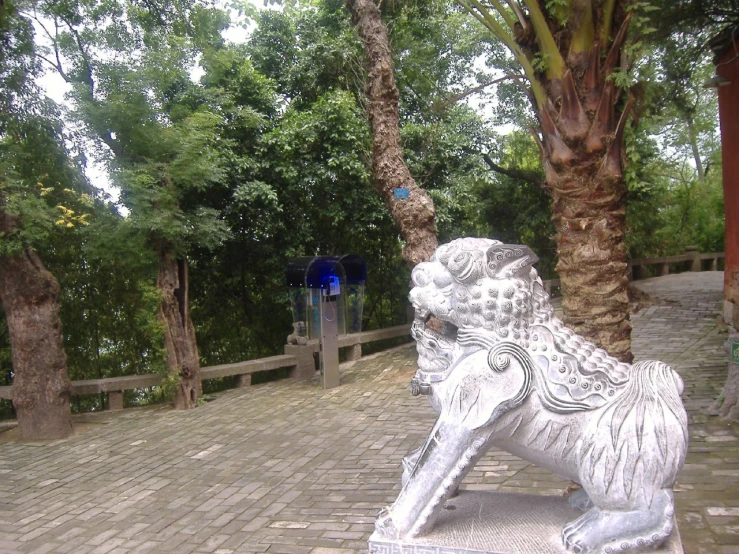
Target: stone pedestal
{"x":476,"y":522}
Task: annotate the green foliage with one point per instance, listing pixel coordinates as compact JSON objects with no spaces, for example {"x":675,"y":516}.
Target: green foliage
{"x":168,"y":387}
{"x":267,"y":157}
{"x":307,"y":49}
{"x":444,"y":156}
{"x":109,"y":304}
{"x":515,"y":210}
{"x":669,"y":207}
{"x":674,"y":172}
{"x":435,"y":49}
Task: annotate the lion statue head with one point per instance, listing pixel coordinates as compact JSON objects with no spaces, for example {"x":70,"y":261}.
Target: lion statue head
{"x":476,"y":292}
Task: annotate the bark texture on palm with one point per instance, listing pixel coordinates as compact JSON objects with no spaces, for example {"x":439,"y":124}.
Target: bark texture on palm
{"x":503,"y":371}
{"x":582,"y":151}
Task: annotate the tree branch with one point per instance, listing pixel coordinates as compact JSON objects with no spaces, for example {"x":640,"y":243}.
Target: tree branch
{"x":584,"y":35}
{"x":57,"y":66}
{"x":519,"y":13}
{"x":554,"y":60}
{"x":53,"y":38}
{"x":528,"y":176}
{"x":501,"y":10}
{"x":87,"y":79}
{"x":483,"y":16}
{"x":457,"y":97}
{"x":607,"y":23}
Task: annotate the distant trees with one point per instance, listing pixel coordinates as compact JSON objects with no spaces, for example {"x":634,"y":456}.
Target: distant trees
{"x":233,"y":158}
{"x":128,"y":64}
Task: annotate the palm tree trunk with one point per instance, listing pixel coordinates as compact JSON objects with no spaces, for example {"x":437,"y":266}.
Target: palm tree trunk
{"x":588,"y":213}
{"x":581,"y":146}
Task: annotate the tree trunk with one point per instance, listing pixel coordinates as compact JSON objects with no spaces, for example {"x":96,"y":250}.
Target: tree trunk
{"x":588,"y":213}
{"x":414,"y":216}
{"x":727,"y":405}
{"x":179,"y":332}
{"x":728,"y":101}
{"x":582,"y":152}
{"x":41,"y":386}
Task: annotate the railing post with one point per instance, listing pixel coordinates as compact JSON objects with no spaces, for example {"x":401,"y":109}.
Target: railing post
{"x":636,"y":272}
{"x":243,"y":380}
{"x":354,"y":352}
{"x":305,"y":369}
{"x":115,"y":400}
{"x":695,"y":263}
{"x":663,"y":269}
{"x":714,"y":264}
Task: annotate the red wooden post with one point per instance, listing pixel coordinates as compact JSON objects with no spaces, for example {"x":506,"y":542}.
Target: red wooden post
{"x":725,"y":46}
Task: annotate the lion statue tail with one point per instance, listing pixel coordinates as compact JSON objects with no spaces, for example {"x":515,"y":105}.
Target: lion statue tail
{"x":644,"y":428}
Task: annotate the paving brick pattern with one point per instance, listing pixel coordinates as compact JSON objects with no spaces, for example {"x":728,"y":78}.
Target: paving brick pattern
{"x":289,"y":468}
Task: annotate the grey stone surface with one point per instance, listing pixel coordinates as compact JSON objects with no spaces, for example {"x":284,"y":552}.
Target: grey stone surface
{"x":501,"y":370}
{"x":289,"y":468}
{"x":496,"y":523}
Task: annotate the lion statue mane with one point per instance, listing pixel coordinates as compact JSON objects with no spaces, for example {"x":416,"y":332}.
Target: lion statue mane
{"x":501,"y":370}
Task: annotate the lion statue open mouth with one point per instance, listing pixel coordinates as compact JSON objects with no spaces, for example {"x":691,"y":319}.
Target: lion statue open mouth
{"x":502,"y":370}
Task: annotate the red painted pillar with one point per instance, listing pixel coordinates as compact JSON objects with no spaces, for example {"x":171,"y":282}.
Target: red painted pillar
{"x":727,"y":66}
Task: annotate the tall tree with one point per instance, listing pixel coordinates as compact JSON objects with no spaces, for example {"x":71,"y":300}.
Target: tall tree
{"x":33,"y":165}
{"x":573,"y":57}
{"x":128,"y":62}
{"x":413,"y":214}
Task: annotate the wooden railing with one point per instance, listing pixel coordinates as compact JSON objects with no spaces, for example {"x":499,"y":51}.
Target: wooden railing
{"x":692,"y":258}
{"x":299,"y":359}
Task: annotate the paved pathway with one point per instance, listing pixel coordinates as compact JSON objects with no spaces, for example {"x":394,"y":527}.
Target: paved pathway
{"x":289,"y":468}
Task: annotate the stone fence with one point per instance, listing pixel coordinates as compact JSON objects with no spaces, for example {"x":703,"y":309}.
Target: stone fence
{"x":300,"y":360}
{"x":693,"y":259}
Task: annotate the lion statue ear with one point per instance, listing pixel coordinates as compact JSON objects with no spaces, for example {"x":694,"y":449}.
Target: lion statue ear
{"x":505,"y":261}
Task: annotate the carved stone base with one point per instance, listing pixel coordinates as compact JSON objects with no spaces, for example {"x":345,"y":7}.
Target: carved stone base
{"x":476,"y":522}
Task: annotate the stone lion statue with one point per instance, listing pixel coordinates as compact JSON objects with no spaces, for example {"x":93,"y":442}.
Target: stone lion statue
{"x":501,"y":370}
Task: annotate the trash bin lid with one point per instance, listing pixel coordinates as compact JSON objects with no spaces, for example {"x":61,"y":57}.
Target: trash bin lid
{"x":355,"y":269}
{"x":313,"y":272}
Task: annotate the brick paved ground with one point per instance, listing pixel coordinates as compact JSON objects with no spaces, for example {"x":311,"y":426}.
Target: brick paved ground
{"x":290,"y":468}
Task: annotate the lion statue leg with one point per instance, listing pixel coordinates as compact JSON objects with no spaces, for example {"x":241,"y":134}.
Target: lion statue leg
{"x":483,"y":386}
{"x":600,"y":530}
{"x":631,"y":453}
{"x":440,"y":465}
{"x":409,"y":462}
